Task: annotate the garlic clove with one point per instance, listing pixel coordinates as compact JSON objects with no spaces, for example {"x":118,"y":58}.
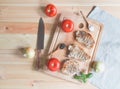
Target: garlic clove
{"x":91,"y":28}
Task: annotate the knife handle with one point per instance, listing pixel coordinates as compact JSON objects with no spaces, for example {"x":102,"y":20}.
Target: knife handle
{"x":39,"y":54}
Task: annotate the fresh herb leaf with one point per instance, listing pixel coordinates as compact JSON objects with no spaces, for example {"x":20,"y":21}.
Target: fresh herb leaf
{"x":77,"y":77}
{"x":83,"y":77}
{"x":85,"y":80}
{"x":89,"y":75}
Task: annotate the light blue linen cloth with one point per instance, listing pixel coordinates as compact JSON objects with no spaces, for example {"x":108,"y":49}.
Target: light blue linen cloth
{"x":108,"y":52}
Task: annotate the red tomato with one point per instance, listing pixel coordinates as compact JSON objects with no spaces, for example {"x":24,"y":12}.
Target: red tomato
{"x":50,"y":10}
{"x":67,"y":25}
{"x":54,"y":64}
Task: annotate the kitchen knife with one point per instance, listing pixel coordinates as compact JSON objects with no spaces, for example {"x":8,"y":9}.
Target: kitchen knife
{"x":40,"y":42}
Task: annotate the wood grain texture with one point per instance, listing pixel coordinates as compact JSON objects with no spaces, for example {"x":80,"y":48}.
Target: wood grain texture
{"x":16,"y":41}
{"x":18,"y":28}
{"x":21,"y":76}
{"x":22,"y":28}
{"x":62,"y":2}
{"x":33,"y":13}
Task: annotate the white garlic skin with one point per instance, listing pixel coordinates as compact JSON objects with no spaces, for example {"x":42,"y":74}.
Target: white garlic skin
{"x":29,"y":52}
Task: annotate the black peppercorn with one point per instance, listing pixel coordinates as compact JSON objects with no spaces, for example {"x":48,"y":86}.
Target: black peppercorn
{"x":62,"y":46}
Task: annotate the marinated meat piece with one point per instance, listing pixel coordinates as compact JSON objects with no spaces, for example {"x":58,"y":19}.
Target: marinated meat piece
{"x":84,"y":38}
{"x":76,"y":52}
{"x":70,"y":67}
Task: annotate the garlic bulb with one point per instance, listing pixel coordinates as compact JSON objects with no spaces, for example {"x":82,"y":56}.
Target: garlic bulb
{"x":91,"y":28}
{"x":28,"y":52}
{"x":98,"y":66}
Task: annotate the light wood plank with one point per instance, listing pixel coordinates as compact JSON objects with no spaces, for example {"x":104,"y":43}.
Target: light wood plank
{"x":14,"y":59}
{"x":23,"y":71}
{"x":19,"y":28}
{"x":25,"y":84}
{"x":61,"y":2}
{"x":23,"y":28}
{"x":16,"y":41}
{"x":9,"y":41}
{"x":33,"y":13}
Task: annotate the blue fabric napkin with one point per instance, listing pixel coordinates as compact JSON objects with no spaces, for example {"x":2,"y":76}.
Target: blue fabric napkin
{"x":108,"y":52}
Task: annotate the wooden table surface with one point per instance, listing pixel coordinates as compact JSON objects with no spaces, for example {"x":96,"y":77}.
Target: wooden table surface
{"x":18,"y":28}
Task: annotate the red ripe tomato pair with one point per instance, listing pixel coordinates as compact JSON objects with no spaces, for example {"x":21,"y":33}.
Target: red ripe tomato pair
{"x":67,"y":25}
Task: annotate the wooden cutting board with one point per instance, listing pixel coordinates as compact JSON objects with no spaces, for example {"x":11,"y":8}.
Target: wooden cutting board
{"x":62,"y":37}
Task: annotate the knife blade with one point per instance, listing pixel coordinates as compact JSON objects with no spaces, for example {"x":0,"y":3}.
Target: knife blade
{"x":40,"y":35}
{"x":40,"y":41}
